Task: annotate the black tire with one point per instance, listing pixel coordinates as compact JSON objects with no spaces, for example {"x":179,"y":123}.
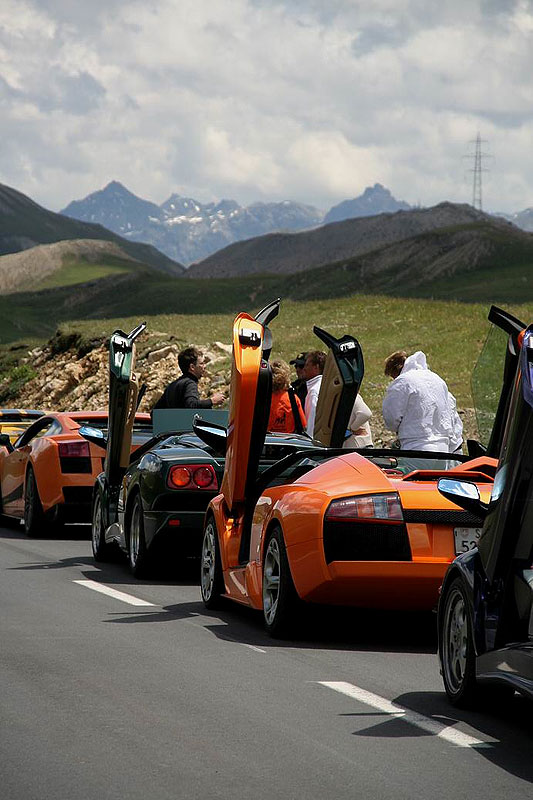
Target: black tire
{"x":281,"y":604}
{"x":138,"y":556}
{"x":34,"y":519}
{"x":211,"y":577}
{"x":456,"y":648}
{"x":101,"y":550}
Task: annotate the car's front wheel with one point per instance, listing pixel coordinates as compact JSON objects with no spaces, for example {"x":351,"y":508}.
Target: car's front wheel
{"x":101,"y":549}
{"x":138,"y":556}
{"x":280,"y":599}
{"x":457,"y":653}
{"x":211,"y":578}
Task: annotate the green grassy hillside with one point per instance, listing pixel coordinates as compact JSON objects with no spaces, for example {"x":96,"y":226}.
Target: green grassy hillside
{"x":75,"y":271}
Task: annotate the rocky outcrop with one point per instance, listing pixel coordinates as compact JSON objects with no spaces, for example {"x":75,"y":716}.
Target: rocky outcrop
{"x":74,"y":380}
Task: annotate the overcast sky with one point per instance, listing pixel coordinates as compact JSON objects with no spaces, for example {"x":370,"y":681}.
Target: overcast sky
{"x":308,"y":100}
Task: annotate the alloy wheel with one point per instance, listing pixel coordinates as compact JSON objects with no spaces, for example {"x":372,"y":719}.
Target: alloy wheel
{"x":208,"y":562}
{"x":96,"y":528}
{"x":455,"y":641}
{"x":135,"y":535}
{"x":271,"y":580}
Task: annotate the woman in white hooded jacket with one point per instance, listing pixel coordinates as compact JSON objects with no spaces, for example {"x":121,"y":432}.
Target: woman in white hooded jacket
{"x":418,"y":406}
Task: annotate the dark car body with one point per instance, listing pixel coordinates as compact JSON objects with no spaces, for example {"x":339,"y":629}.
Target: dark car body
{"x":485,"y":616}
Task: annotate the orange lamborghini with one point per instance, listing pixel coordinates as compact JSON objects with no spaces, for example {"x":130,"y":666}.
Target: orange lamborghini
{"x":364,"y":528}
{"x":47,"y":475}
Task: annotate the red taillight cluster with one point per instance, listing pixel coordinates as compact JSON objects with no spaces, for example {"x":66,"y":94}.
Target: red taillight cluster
{"x":74,"y":450}
{"x":192,"y":476}
{"x":379,"y":507}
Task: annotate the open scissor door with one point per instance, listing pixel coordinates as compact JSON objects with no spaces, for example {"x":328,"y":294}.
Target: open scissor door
{"x":250,"y":395}
{"x":508,"y":529}
{"x":492,"y":380}
{"x":123,"y":392}
{"x":343,"y":373}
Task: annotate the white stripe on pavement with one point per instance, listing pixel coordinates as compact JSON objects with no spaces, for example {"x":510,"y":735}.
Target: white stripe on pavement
{"x":451,"y":735}
{"x":126,"y":598}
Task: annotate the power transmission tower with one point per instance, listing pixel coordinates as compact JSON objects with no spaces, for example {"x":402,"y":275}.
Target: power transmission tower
{"x":478,"y":169}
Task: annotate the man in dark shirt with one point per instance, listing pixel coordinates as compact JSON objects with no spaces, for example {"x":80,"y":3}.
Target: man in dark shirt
{"x":183,"y":392}
{"x":299,"y":385}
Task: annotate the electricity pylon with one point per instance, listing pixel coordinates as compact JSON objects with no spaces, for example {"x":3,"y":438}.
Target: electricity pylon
{"x":478,"y":169}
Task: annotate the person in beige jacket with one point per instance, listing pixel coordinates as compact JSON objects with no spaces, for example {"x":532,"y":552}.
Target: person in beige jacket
{"x":358,"y":426}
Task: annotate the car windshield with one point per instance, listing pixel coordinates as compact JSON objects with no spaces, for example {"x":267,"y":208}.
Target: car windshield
{"x":101,"y":424}
{"x":487,"y":379}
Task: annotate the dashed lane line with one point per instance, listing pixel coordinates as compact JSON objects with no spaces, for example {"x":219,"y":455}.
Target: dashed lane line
{"x":451,"y":735}
{"x":123,"y":596}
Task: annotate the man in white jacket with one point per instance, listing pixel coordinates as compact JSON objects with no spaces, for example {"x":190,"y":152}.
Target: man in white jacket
{"x":418,"y":406}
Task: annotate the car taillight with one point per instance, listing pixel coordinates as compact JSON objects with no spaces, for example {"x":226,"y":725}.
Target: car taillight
{"x":382,"y":507}
{"x":192,"y":476}
{"x":74,"y":450}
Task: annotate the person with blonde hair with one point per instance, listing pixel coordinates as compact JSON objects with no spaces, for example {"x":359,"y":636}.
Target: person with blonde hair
{"x":419,"y":407}
{"x":286,"y":413}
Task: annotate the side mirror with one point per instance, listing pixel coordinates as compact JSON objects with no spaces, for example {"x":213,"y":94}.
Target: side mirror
{"x":94,"y":435}
{"x":463,"y":494}
{"x":5,"y":441}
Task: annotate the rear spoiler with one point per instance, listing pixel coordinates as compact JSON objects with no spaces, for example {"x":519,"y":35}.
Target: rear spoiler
{"x":435,"y":474}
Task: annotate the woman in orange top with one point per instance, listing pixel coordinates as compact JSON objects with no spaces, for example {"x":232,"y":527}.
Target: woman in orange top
{"x":281,"y":408}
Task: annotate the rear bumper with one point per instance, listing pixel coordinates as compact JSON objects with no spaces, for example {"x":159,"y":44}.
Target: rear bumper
{"x":181,"y":529}
{"x":78,"y":503}
{"x":368,"y":584}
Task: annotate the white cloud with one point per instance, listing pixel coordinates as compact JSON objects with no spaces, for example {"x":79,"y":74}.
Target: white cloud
{"x":295,"y":99}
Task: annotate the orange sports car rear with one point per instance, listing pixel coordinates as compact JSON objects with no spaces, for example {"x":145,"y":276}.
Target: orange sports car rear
{"x":47,"y":475}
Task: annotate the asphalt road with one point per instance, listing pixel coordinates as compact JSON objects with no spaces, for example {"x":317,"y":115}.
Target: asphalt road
{"x":103,"y":698}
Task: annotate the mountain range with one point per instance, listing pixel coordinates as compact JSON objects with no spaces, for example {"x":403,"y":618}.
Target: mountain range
{"x":340,"y":241}
{"x":189,"y":231}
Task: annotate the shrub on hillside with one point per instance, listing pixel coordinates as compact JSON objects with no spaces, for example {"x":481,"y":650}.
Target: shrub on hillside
{"x":14,"y":381}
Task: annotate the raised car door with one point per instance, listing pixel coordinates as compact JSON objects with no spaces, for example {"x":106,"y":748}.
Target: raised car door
{"x":506,"y":544}
{"x":492,"y":378}
{"x":341,"y":379}
{"x":123,"y":391}
{"x":250,"y":395}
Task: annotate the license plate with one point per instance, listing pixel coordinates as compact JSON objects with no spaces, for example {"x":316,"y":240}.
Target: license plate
{"x":466,"y":539}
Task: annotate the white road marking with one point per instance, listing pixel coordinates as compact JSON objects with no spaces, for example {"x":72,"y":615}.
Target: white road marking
{"x":451,"y":735}
{"x":253,"y":647}
{"x":126,"y":598}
